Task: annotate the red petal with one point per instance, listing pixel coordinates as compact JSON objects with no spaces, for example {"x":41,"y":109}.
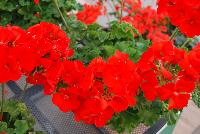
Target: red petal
{"x":119,"y":104}
{"x":167,"y":74}
{"x":179,"y":101}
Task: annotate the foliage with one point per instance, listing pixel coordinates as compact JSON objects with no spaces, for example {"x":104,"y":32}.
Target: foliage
{"x":196,"y":97}
{"x":143,"y":112}
{"x":25,"y":13}
{"x":96,"y":41}
{"x":16,"y":118}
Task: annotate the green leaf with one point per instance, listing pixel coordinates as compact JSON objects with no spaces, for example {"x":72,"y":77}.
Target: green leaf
{"x":3,"y":126}
{"x":103,"y":36}
{"x":142,"y":45}
{"x":171,"y":117}
{"x":24,"y":2}
{"x":21,"y":126}
{"x":196,"y":97}
{"x":109,"y":50}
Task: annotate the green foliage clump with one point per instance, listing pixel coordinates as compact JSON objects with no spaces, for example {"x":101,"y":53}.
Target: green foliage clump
{"x":25,"y":13}
{"x":16,"y":118}
{"x":144,"y":112}
{"x":95,"y":41}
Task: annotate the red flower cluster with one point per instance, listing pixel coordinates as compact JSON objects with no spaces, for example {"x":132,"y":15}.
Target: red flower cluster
{"x":147,"y":21}
{"x":132,"y":6}
{"x":191,"y":62}
{"x":95,"y":92}
{"x":13,"y":47}
{"x":90,"y":13}
{"x":31,"y":52}
{"x":51,"y":44}
{"x":162,"y":79}
{"x":183,"y":14}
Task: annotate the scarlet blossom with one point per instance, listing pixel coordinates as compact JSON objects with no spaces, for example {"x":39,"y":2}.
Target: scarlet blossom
{"x":73,"y":70}
{"x":97,"y":65}
{"x":13,"y":46}
{"x":9,"y":67}
{"x":160,"y":51}
{"x":183,"y":14}
{"x":65,"y":101}
{"x":94,"y":93}
{"x":70,"y":73}
{"x":120,"y":73}
{"x":191,"y":62}
{"x":53,"y":76}
{"x":36,"y":78}
{"x":117,"y":8}
{"x":28,"y":62}
{"x":92,"y":113}
{"x":155,"y":68}
{"x":135,"y":6}
{"x":90,"y":13}
{"x":91,"y":92}
{"x":48,"y":40}
{"x":133,"y":2}
{"x":177,"y":93}
{"x":147,"y":21}
{"x":149,"y":85}
{"x":36,"y":1}
{"x":51,"y":45}
{"x":119,"y":104}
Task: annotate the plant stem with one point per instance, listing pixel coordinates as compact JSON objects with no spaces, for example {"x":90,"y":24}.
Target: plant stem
{"x":186,"y":42}
{"x":121,"y":11}
{"x":2,"y":98}
{"x":139,"y":110}
{"x":174,"y":33}
{"x":61,"y":15}
{"x":130,"y":113}
{"x":39,"y":7}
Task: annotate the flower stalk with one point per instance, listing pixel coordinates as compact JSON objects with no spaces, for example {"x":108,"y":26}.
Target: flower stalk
{"x":121,"y":11}
{"x":61,"y":15}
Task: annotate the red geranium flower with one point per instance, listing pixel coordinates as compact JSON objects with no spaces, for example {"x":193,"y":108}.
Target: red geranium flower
{"x":65,"y":101}
{"x":9,"y":67}
{"x":155,"y":66}
{"x":94,"y":112}
{"x":48,"y":40}
{"x":36,"y":1}
{"x":183,"y":14}
{"x":177,"y":98}
{"x":89,"y":14}
{"x":97,"y":65}
{"x":12,"y":40}
{"x":149,"y":85}
{"x":191,"y":62}
{"x":120,"y":73}
{"x":147,"y":21}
